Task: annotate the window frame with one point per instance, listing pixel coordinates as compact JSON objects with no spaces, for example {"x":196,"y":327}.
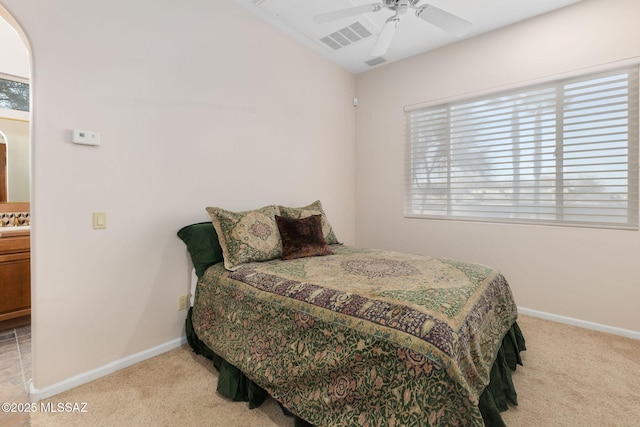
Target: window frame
{"x":632,"y":145}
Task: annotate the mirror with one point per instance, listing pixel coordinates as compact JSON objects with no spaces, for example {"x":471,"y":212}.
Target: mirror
{"x":14,"y":151}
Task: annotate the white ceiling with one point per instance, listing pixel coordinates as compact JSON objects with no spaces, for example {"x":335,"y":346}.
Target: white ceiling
{"x":413,"y":35}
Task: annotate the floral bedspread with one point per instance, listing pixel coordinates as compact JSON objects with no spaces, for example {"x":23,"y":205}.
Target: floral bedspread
{"x":361,"y":337}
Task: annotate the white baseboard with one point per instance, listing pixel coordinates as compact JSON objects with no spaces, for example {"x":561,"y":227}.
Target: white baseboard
{"x":581,"y":323}
{"x":38,"y":394}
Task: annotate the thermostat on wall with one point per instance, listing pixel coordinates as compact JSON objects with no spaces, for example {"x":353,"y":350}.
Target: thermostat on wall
{"x":85,"y":137}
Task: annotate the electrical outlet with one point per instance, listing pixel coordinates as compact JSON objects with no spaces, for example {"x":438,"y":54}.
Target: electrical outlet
{"x":183,"y":302}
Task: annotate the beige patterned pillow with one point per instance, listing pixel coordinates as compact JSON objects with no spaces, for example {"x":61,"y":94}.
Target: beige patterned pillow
{"x":314,"y":208}
{"x":247,"y":236}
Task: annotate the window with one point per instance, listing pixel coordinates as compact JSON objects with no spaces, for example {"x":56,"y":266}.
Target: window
{"x":562,"y":153}
{"x":14,"y":95}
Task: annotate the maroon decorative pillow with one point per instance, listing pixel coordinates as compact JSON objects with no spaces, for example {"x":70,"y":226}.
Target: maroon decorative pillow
{"x":302,"y":237}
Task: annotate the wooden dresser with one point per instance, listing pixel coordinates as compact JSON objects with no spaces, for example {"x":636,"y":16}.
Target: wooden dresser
{"x":15,"y":277}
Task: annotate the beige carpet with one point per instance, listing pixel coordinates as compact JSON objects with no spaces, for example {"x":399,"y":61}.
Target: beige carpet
{"x":571,"y":377}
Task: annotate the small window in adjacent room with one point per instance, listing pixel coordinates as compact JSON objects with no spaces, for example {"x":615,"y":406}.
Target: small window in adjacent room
{"x":14,"y":95}
{"x":561,"y":153}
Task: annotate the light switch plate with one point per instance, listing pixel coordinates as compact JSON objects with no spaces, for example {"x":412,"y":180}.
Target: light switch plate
{"x":99,"y":220}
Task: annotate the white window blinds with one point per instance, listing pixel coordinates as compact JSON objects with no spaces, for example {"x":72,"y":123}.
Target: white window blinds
{"x":560,"y":153}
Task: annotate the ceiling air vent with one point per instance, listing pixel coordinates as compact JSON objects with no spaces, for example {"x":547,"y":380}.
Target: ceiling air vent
{"x":346,"y":36}
{"x":375,"y":61}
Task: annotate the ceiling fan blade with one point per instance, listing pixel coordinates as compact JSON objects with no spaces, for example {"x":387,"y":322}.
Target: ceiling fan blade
{"x":444,"y":20}
{"x":346,"y":13}
{"x":385,"y":37}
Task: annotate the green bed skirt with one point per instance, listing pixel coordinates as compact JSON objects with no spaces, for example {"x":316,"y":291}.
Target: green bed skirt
{"x":233,"y":384}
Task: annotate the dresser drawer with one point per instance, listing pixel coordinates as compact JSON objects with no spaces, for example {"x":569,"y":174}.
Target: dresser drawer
{"x":14,"y":244}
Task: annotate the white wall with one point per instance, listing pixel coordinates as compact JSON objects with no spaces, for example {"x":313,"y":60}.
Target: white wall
{"x":14,"y":56}
{"x":198,"y":103}
{"x":585,"y":274}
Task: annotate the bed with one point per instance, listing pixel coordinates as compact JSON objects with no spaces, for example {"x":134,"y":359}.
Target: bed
{"x":344,"y":336}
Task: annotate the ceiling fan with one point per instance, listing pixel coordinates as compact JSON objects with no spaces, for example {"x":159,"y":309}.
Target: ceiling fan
{"x":431,"y":14}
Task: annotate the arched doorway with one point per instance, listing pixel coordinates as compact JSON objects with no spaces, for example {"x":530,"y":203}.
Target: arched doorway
{"x":15,"y":119}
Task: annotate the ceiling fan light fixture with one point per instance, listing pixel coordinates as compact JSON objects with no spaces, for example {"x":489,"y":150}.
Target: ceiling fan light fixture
{"x":431,"y":14}
{"x":402,"y":7}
